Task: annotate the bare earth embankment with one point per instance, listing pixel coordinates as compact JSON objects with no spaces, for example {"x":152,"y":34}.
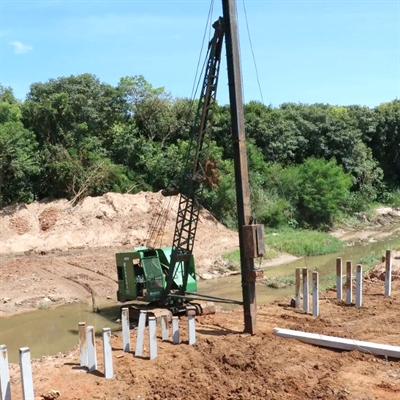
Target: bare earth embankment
{"x":53,"y":253}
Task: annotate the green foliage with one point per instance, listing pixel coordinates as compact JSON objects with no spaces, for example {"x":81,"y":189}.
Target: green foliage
{"x":309,"y":165}
{"x":302,"y":243}
{"x":298,"y":242}
{"x":323,"y":190}
{"x":385,"y":138}
{"x":370,"y":261}
{"x":279,"y":282}
{"x":391,"y":198}
{"x":18,"y":153}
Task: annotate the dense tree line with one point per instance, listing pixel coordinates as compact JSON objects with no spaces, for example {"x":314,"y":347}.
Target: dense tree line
{"x":309,"y":164}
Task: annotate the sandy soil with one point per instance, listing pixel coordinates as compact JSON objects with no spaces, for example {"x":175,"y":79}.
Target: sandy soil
{"x":52,"y":253}
{"x":226,"y":364}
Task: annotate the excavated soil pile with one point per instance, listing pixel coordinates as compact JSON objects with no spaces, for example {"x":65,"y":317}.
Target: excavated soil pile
{"x":379,"y":272}
{"x":53,"y":253}
{"x":110,"y":220}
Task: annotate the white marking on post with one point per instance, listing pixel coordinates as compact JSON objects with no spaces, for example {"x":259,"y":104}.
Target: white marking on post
{"x":305,"y":290}
{"x":126,"y":339}
{"x":5,"y":389}
{"x":26,"y":373}
{"x":191,"y":312}
{"x":91,"y":343}
{"x":349,"y":283}
{"x":107,"y":353}
{"x":359,"y":285}
{"x":339,"y":278}
{"x":164,"y":326}
{"x":388,"y":275}
{"x":83,"y":351}
{"x":315,"y":293}
{"x":175,"y":330}
{"x":297,"y":288}
{"x":152,"y":337}
{"x":140,"y":334}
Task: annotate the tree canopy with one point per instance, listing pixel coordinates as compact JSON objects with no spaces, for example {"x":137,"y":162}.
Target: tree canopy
{"x":76,"y":136}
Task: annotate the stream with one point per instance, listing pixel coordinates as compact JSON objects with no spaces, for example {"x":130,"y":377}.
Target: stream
{"x":53,"y":330}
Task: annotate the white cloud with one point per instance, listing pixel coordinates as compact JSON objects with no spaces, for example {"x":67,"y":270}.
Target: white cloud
{"x":20,"y":48}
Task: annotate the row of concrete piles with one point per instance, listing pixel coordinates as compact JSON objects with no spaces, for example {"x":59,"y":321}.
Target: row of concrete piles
{"x":302,"y":281}
{"x":88,"y":357}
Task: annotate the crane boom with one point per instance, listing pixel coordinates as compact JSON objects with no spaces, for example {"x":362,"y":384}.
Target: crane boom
{"x":166,"y":276}
{"x":196,"y":160}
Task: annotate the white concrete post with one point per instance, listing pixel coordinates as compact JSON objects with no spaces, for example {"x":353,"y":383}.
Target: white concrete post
{"x":349,"y":283}
{"x":164,"y":326}
{"x":126,"y":339}
{"x":26,"y":373}
{"x":140,"y":333}
{"x":175,"y":330}
{"x":92,"y":356}
{"x":191,"y":312}
{"x":339,"y":278}
{"x":153,"y":337}
{"x":107,"y":353}
{"x":5,"y":389}
{"x":388,"y":275}
{"x":315,"y":293}
{"x":359,"y":285}
{"x":305,"y":290}
{"x":297,"y":288}
{"x":83,"y":351}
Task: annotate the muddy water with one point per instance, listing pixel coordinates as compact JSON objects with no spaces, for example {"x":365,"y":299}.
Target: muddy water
{"x":52,"y":330}
{"x":49,"y":331}
{"x":230,"y":287}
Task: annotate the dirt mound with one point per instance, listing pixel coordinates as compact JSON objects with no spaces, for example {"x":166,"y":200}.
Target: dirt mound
{"x":19,"y":225}
{"x":109,"y":220}
{"x":48,"y":218}
{"x":379,"y":271}
{"x":55,"y":251}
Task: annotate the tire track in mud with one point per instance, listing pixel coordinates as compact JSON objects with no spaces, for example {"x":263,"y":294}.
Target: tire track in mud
{"x":78,"y":280}
{"x":39,"y":277}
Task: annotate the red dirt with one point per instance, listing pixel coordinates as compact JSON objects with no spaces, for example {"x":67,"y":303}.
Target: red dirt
{"x":226,"y":364}
{"x":69,"y":251}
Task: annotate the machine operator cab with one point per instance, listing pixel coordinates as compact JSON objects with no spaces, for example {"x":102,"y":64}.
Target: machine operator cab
{"x":142,"y":274}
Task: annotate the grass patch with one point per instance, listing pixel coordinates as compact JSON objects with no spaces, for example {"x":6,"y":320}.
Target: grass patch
{"x":279,"y":282}
{"x":298,"y":242}
{"x":302,"y":243}
{"x":369,"y":261}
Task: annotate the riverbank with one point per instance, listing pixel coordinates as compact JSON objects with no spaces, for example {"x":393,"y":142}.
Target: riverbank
{"x":53,"y":253}
{"x":226,"y":364}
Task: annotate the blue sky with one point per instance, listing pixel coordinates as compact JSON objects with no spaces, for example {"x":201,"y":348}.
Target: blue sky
{"x":337,"y":52}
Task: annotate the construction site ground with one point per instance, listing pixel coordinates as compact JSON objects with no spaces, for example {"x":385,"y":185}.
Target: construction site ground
{"x":53,"y":253}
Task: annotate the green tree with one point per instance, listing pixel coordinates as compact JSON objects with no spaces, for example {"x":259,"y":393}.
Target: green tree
{"x":72,"y":118}
{"x":156,"y":114}
{"x":323,"y":191}
{"x":385,"y":140}
{"x":18,"y":153}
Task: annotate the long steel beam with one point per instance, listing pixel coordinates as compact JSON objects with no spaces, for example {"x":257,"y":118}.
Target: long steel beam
{"x":240,"y":158}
